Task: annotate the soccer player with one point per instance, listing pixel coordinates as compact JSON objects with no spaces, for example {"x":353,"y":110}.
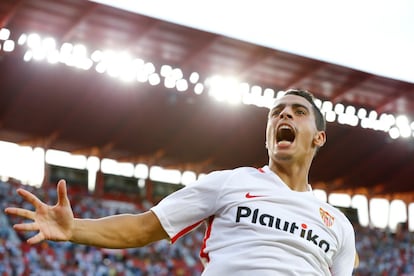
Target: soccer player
{"x":263,"y":221}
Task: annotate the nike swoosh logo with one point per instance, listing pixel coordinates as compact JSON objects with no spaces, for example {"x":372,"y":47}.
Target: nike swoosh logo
{"x":248,"y":195}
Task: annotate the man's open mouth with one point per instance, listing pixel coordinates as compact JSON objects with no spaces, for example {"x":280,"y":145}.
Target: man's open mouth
{"x":285,"y":133}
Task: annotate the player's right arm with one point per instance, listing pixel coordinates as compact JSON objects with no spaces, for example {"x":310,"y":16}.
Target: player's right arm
{"x":119,"y":231}
{"x":57,"y":223}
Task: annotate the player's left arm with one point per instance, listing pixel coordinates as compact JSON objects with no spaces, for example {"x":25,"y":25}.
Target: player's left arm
{"x":356,"y":262}
{"x":346,"y":259}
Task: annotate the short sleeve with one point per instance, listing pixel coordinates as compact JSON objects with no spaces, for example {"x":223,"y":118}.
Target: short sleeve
{"x":186,"y":208}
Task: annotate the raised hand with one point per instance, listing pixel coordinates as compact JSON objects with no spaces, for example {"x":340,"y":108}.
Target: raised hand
{"x":52,"y":222}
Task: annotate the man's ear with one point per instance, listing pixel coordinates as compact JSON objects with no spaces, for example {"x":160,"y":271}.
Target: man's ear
{"x":319,"y":139}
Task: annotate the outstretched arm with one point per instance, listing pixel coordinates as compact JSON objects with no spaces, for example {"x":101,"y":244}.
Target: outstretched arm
{"x":119,"y":231}
{"x":57,"y":223}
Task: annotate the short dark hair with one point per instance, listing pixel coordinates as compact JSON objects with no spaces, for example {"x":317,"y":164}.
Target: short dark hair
{"x":319,"y":118}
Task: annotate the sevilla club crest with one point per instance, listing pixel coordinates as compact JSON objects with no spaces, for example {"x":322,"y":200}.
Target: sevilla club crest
{"x":327,"y":218}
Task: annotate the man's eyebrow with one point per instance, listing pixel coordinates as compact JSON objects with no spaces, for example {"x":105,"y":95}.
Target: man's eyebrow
{"x":297,"y":105}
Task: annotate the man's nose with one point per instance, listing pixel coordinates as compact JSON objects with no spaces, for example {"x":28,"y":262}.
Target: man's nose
{"x":286,"y":114}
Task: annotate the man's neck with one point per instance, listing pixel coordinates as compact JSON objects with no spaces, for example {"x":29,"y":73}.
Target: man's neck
{"x":295,"y":176}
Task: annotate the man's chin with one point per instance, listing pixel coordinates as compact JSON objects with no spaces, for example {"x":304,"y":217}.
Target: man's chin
{"x":282,"y":156}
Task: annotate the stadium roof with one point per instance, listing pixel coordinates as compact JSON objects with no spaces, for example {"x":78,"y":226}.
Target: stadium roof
{"x":82,"y":111}
{"x":372,"y":36}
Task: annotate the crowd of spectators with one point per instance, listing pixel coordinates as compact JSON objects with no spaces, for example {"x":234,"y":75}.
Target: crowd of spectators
{"x":381,"y":252}
{"x":385,"y":253}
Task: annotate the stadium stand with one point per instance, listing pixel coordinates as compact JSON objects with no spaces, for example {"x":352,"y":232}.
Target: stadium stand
{"x":84,"y":121}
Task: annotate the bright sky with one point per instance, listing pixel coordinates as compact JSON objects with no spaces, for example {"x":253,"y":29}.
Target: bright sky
{"x":375,"y":36}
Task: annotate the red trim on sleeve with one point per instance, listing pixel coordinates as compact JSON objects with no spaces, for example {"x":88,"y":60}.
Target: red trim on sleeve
{"x":261,"y":170}
{"x":185,"y":231}
{"x":204,"y":255}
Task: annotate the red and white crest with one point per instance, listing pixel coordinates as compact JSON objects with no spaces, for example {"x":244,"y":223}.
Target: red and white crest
{"x":327,"y":218}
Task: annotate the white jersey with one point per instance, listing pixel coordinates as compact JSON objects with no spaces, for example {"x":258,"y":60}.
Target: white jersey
{"x":258,"y":226}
